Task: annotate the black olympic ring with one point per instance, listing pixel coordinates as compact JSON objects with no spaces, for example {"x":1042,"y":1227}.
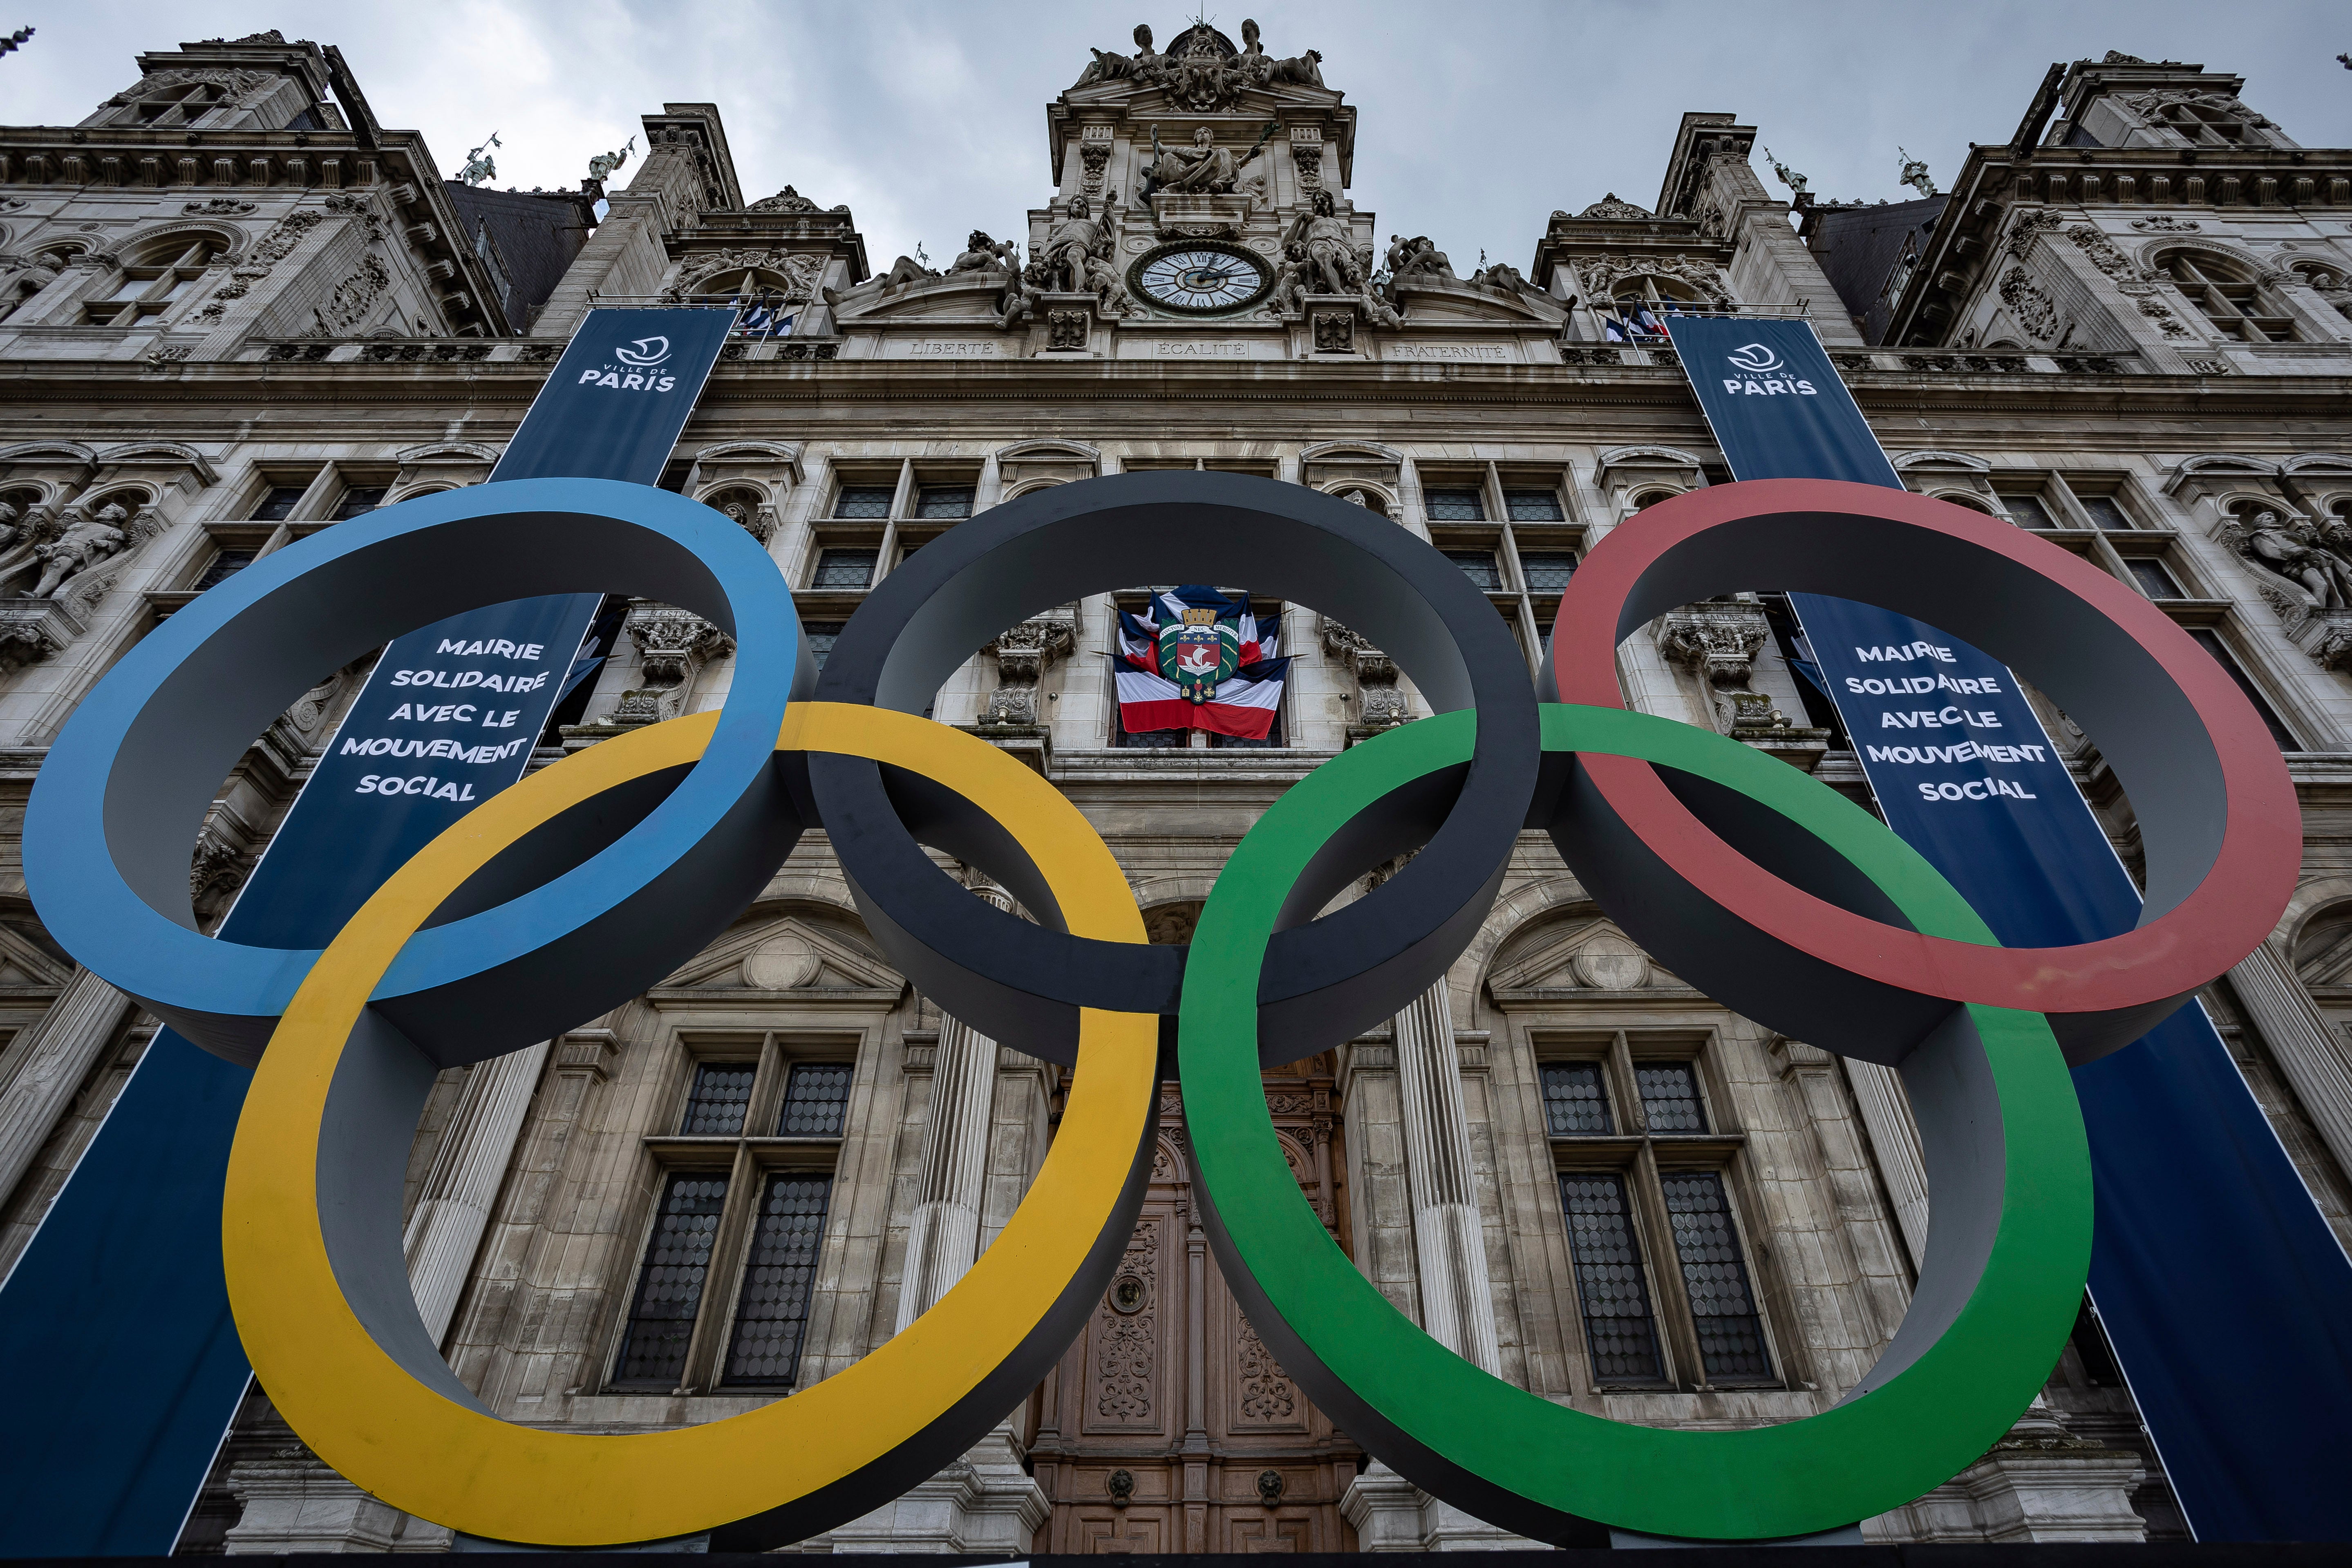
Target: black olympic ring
{"x":1325,"y":982}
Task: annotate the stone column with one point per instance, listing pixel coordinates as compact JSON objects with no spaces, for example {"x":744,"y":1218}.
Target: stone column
{"x":47,"y":1064}
{"x":1894,"y":1140}
{"x":454,"y":1209}
{"x":2308,"y":1052}
{"x":985,"y":1501}
{"x":1457,"y":1306}
{"x":1458,"y":1303}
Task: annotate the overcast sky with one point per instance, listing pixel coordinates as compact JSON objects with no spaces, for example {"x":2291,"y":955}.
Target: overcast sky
{"x":1477,"y":119}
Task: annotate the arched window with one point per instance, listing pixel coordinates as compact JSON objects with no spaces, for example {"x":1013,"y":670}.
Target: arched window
{"x":1639,"y":304}
{"x":2204,"y":125}
{"x":2236,"y":305}
{"x":1969,"y":501}
{"x":1648,"y":499}
{"x":148,"y":288}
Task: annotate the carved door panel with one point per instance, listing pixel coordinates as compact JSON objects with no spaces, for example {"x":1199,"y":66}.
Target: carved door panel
{"x":1170,"y":1426}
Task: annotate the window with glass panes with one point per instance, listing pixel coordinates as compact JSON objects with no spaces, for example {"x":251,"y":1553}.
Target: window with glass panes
{"x":1715,"y":1276}
{"x":2153,"y":579}
{"x":943,"y":501}
{"x":839,"y":568}
{"x":1455,"y":504}
{"x":2210,"y":641}
{"x":864,"y":501}
{"x":724,"y":1288}
{"x":822,"y":635}
{"x":816,"y":1097}
{"x":357,"y":499}
{"x":226,"y":565}
{"x":150,"y":287}
{"x":1533,"y":506}
{"x":2236,"y":306}
{"x":1548,"y":570}
{"x":2027,"y":510}
{"x":1621,"y":1330}
{"x":722,"y":1093}
{"x":277,"y":502}
{"x":1480,"y":565}
{"x":1575,"y":1098}
{"x":763,"y":1349}
{"x":1655,"y":1193}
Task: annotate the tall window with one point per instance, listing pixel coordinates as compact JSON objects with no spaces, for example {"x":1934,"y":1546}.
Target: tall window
{"x":1662,"y":1276}
{"x":943,"y":501}
{"x":278,"y":501}
{"x":1463,"y":505}
{"x":724,"y":1289}
{"x":863,"y":502}
{"x":2236,"y":306}
{"x":822,"y":635}
{"x":844,"y":569}
{"x":2210,"y":641}
{"x":149,"y":287}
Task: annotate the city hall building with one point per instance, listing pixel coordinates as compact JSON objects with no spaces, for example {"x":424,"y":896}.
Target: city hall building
{"x":236,"y":310}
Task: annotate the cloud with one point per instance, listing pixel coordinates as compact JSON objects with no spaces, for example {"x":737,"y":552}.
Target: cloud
{"x":1476,"y":121}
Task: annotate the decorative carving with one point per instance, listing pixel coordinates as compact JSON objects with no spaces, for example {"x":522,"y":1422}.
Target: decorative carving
{"x":352,"y":299}
{"x":1023,"y":653}
{"x":2149,"y":106}
{"x":33,"y":629}
{"x":1109,"y":288}
{"x":800,"y":271}
{"x":2164,"y":223}
{"x":275,"y":247}
{"x":2032,"y":307}
{"x":1603,"y":275}
{"x":2103,"y":255}
{"x":1289,"y":282}
{"x":169,"y":353}
{"x":673,"y":645}
{"x":1267,"y":1393}
{"x":1717,"y":643}
{"x":1334,"y":331}
{"x":233,"y":84}
{"x":1613,"y":206}
{"x":2212,"y":366}
{"x":787,"y":200}
{"x":755,"y":517}
{"x":1066,"y":330}
{"x":219,"y":206}
{"x":1126,"y":1340}
{"x":1145,"y":64}
{"x":1381,"y":706}
{"x":2030,"y":226}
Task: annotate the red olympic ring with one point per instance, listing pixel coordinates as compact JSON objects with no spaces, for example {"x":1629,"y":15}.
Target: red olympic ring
{"x":2216,"y":806}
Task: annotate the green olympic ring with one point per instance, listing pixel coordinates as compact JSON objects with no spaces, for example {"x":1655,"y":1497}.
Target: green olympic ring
{"x":2007,"y":1157}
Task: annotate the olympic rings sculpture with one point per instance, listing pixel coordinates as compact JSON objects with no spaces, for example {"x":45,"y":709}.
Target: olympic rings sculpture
{"x":575,"y":889}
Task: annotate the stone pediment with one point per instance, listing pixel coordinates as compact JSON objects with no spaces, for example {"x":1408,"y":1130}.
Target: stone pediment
{"x":787,"y":954}
{"x":1594,"y":955}
{"x":1430,"y":301}
{"x":24,"y":963}
{"x":959,"y":294}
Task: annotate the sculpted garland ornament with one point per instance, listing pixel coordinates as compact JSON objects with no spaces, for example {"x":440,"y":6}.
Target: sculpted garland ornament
{"x":1744,"y":876}
{"x":1200,"y":277}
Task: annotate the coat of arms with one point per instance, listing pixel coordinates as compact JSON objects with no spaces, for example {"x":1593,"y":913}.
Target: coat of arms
{"x":1199,"y":651}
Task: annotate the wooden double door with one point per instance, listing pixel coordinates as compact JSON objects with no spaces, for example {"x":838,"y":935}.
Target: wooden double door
{"x":1169,"y":1427}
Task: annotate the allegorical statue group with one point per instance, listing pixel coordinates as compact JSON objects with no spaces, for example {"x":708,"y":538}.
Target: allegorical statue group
{"x":2314,"y":557}
{"x":1201,"y":75}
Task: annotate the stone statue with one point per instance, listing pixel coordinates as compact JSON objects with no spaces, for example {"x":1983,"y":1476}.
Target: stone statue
{"x":982,"y":254}
{"x":1790,"y":177}
{"x":1109,"y":289}
{"x":478,"y":168}
{"x":604,"y":165}
{"x":1256,"y":65}
{"x":85,"y":542}
{"x":1069,"y":243}
{"x":1202,"y":169}
{"x":1422,"y":259}
{"x":1330,"y":248}
{"x":1021,"y":293}
{"x":1306,"y":69}
{"x":1914,"y":174}
{"x":11,"y":516}
{"x":1114,"y":66}
{"x":2291,"y":550}
{"x":906,"y":270}
{"x":1290,"y":281}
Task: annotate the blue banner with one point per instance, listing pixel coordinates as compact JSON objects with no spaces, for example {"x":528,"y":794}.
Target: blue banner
{"x":2223,"y":1289}
{"x":123,"y":1365}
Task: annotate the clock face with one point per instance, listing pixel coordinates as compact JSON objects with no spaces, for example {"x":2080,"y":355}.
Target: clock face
{"x":1199,"y":278}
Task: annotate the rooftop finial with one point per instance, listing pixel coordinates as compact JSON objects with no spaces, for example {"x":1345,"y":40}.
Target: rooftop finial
{"x":1785,"y":174}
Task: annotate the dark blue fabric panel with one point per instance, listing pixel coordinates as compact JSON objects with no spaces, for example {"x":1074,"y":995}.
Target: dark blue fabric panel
{"x":115,"y":1321}
{"x":2221,"y":1287}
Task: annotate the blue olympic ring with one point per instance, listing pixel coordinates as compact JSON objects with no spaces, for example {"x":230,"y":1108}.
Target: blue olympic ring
{"x":125,"y":787}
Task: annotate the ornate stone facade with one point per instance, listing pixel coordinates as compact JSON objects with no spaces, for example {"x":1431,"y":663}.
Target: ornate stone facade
{"x":2094,"y":342}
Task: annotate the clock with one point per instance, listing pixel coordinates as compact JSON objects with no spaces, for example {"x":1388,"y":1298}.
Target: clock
{"x":1200,"y":277}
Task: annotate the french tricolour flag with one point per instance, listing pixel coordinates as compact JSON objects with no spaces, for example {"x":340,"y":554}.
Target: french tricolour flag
{"x":1245,"y":701}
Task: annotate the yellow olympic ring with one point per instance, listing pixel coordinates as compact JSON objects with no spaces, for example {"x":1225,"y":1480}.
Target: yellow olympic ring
{"x":796,"y":1459}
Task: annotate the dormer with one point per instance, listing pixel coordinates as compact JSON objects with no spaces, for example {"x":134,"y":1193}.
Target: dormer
{"x":2126,"y":103}
{"x":256,"y":83}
